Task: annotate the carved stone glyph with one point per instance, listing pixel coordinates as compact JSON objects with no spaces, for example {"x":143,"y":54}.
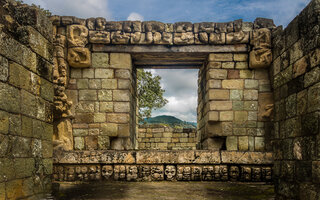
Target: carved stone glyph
{"x":234,"y":173}
{"x":183,"y":38}
{"x":79,"y":57}
{"x":217,"y":38}
{"x":141,"y":38}
{"x":77,"y":36}
{"x":120,"y":37}
{"x":240,"y":37}
{"x":170,"y":172}
{"x":261,"y":55}
{"x":132,"y":173}
{"x":162,"y":38}
{"x":157,"y":173}
{"x":99,"y":37}
{"x":107,"y":172}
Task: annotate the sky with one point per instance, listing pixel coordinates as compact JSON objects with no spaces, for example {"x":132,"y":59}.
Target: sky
{"x":180,"y":85}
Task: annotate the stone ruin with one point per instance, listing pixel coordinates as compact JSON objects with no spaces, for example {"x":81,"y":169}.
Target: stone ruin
{"x":68,"y":102}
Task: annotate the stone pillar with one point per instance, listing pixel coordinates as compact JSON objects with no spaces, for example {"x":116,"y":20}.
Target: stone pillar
{"x":229,"y":94}
{"x":103,"y":103}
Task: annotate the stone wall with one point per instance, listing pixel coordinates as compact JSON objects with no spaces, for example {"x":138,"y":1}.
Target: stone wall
{"x":158,"y":165}
{"x":296,"y":82}
{"x":166,"y":138}
{"x":26,"y":98}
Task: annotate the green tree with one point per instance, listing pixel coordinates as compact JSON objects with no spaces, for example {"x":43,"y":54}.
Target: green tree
{"x":150,"y":93}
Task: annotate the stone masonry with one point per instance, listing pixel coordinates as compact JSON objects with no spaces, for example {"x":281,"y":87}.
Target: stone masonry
{"x":26,"y":101}
{"x":296,"y":82}
{"x":162,"y":137}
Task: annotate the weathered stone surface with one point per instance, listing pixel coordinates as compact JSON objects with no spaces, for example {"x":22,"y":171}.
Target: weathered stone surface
{"x":237,"y":37}
{"x":181,"y":38}
{"x":77,"y":35}
{"x":79,"y":57}
{"x":142,"y":38}
{"x":120,"y":61}
{"x":246,"y":157}
{"x":261,"y":56}
{"x":62,"y":137}
{"x":120,"y":37}
{"x":99,"y":37}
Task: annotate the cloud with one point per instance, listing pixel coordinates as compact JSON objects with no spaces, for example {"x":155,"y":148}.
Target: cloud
{"x":78,"y":8}
{"x":135,"y":17}
{"x":181,"y":92}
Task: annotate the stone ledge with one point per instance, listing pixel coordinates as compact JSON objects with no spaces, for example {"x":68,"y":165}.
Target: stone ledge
{"x":163,"y":157}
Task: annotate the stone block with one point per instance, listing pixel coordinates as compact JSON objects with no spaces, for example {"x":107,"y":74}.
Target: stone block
{"x":87,"y":95}
{"x":118,"y":118}
{"x":47,"y":91}
{"x":213,"y":116}
{"x":120,"y":61}
{"x":251,"y":84}
{"x":121,"y":95}
{"x":76,"y":73}
{"x":214,"y":144}
{"x":237,"y":105}
{"x":217,"y":74}
{"x":291,"y":105}
{"x":246,"y":74}
{"x":259,"y":144}
{"x":109,"y":129}
{"x":316,"y":172}
{"x":100,"y":60}
{"x":243,"y":143}
{"x":232,"y":143}
{"x":228,"y":65}
{"x":91,"y":143}
{"x":220,"y":105}
{"x":250,"y":94}
{"x":232,"y":84}
{"x":122,"y":107}
{"x":4,"y":125}
{"x":218,"y":94}
{"x":314,"y":98}
{"x":87,"y":73}
{"x":109,"y":83}
{"x":214,"y":65}
{"x":85,"y":106}
{"x":220,"y":57}
{"x":27,"y":101}
{"x":84,"y":118}
{"x":103,"y":73}
{"x":99,"y":117}
{"x":236,"y":94}
{"x":217,"y":38}
{"x":240,"y":116}
{"x":82,"y":83}
{"x":124,"y":84}
{"x":123,"y":130}
{"x":226,"y":115}
{"x":252,"y":116}
{"x":233,"y":74}
{"x":300,"y":67}
{"x":80,"y":132}
{"x":103,"y":142}
{"x":242,"y":65}
{"x":14,"y":124}
{"x":213,"y":84}
{"x":99,"y":37}
{"x":240,"y":57}
{"x":312,"y":77}
{"x":183,"y":38}
{"x":4,"y":69}
{"x":106,"y":107}
{"x":14,"y":189}
{"x":123,"y":74}
{"x":95,"y":84}
{"x":105,"y":95}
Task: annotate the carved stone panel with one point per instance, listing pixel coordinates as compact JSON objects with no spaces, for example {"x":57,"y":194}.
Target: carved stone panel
{"x":184,"y":173}
{"x":261,"y":55}
{"x":246,"y":173}
{"x":77,"y":36}
{"x":234,"y":173}
{"x":196,"y":173}
{"x":183,"y":38}
{"x":256,"y":174}
{"x":99,"y":37}
{"x":141,"y":38}
{"x":240,"y":37}
{"x":132,"y":172}
{"x":119,"y":172}
{"x":170,"y":172}
{"x":107,"y":172}
{"x":157,"y":173}
{"x":217,"y":38}
{"x":79,"y":57}
{"x":145,"y":173}
{"x":207,"y":173}
{"x":120,"y":37}
{"x":162,"y":38}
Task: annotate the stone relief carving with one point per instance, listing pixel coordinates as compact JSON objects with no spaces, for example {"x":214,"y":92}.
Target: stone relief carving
{"x":157,"y":173}
{"x":132,"y":173}
{"x":79,"y":57}
{"x":268,"y":111}
{"x":239,"y":37}
{"x":170,"y":172}
{"x":107,"y":172}
{"x":99,"y":37}
{"x":234,"y":173}
{"x":183,"y":38}
{"x":77,"y":36}
{"x":260,"y":55}
{"x":120,"y":37}
{"x":217,"y":38}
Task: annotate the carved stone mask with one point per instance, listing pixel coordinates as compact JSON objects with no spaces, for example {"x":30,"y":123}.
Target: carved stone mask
{"x":107,"y":171}
{"x":234,"y":172}
{"x":170,"y":172}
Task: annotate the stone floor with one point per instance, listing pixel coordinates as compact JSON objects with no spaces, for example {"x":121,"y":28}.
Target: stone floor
{"x":165,"y":191}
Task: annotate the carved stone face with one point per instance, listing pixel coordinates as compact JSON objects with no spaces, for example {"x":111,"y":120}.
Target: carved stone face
{"x":107,"y":171}
{"x":217,"y":174}
{"x":207,"y":173}
{"x":234,"y":173}
{"x":170,"y":172}
{"x":187,"y":173}
{"x":196,"y":173}
{"x":157,"y":173}
{"x":132,"y":173}
{"x":267,"y":173}
{"x":84,"y":170}
{"x":246,"y":173}
{"x":256,"y":173}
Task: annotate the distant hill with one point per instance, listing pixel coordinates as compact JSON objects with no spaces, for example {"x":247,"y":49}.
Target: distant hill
{"x":170,"y":120}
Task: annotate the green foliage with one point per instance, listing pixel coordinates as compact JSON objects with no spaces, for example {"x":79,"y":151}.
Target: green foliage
{"x":170,"y":121}
{"x":150,"y":93}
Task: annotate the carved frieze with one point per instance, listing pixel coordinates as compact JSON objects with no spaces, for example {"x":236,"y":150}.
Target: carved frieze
{"x":162,"y":38}
{"x":217,"y":38}
{"x":183,"y":38}
{"x":120,"y":37}
{"x":239,"y":37}
{"x":141,"y":38}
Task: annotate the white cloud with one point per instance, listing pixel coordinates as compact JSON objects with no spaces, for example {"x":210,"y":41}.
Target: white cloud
{"x":79,"y":8}
{"x":135,"y":17}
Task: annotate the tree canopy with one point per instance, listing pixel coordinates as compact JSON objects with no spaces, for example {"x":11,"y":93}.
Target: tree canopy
{"x":150,"y":93}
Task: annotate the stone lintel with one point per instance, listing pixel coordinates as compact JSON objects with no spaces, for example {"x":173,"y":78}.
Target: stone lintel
{"x":163,"y":157}
{"x":170,"y":49}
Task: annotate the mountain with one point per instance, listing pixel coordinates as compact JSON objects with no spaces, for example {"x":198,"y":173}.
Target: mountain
{"x":170,"y":120}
